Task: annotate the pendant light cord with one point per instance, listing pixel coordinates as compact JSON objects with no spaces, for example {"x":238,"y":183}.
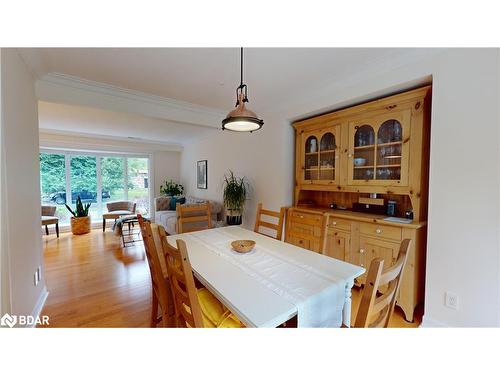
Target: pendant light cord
{"x":241,"y":59}
{"x":242,"y":88}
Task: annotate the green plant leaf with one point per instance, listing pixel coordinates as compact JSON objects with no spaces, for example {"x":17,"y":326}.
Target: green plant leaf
{"x":235,"y":191}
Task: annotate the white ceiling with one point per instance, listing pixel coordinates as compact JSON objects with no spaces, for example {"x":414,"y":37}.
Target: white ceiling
{"x":77,"y":120}
{"x":209,"y":76}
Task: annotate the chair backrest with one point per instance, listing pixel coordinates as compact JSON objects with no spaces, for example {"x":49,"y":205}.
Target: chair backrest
{"x":159,"y":279}
{"x":193,"y":217}
{"x":187,"y":306}
{"x":375,"y":309}
{"x":121,"y":206}
{"x":261,"y":223}
{"x":48,"y":210}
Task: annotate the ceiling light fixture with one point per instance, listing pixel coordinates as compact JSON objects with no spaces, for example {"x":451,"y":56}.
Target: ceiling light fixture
{"x":242,"y":119}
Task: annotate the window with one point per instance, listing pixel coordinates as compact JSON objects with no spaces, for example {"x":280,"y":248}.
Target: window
{"x":84,"y":183}
{"x":53,"y":183}
{"x":138,"y":183}
{"x":113,"y":179}
{"x":97,"y":179}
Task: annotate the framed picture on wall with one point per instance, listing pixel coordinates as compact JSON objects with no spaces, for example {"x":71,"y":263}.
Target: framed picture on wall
{"x":201,"y":174}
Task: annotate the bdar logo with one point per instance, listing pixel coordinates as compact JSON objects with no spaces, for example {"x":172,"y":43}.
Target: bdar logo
{"x":8,"y":320}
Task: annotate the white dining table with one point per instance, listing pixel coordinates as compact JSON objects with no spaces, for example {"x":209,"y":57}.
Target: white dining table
{"x":251,"y":300}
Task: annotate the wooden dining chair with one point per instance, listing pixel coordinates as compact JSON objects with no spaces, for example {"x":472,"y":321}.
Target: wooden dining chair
{"x":194,"y":308}
{"x":375,"y":309}
{"x":193,"y":218}
{"x":261,"y":223}
{"x":161,"y":292}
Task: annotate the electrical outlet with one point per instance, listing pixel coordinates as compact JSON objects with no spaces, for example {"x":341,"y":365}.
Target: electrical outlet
{"x":35,"y":277}
{"x":451,"y":300}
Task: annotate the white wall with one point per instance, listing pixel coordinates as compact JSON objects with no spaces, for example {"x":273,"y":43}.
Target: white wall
{"x":463,"y":254}
{"x":263,"y":157}
{"x":166,"y":166}
{"x":20,"y":185}
{"x":4,"y":262}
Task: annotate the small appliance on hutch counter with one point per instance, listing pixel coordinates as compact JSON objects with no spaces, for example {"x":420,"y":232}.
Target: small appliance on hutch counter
{"x":371,"y":159}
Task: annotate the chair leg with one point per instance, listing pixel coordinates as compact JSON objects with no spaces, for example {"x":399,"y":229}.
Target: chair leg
{"x":47,"y":230}
{"x":165,"y":321}
{"x":103,"y":224}
{"x":154,"y":311}
{"x":57,"y":230}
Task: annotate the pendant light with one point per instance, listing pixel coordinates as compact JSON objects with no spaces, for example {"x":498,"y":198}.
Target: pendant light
{"x":242,"y":119}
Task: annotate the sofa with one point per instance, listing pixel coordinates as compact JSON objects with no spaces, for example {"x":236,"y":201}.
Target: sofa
{"x":166,"y":215}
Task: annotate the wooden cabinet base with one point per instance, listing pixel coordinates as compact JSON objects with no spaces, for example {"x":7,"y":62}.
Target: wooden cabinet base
{"x":358,"y":239}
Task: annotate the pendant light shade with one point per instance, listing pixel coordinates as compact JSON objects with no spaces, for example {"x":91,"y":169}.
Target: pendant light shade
{"x":242,"y":119}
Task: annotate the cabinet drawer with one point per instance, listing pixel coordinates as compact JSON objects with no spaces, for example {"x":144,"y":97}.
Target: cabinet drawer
{"x":341,"y":224}
{"x":306,"y":218}
{"x":382,"y":231}
{"x":300,"y":242}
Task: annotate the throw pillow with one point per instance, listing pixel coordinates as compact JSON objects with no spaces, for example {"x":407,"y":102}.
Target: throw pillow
{"x":175,"y":200}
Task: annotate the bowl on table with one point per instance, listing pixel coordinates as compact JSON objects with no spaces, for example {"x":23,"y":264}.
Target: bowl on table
{"x":358,"y":162}
{"x":243,"y":246}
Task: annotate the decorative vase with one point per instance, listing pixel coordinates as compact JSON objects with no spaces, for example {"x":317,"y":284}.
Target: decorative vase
{"x":314,"y":146}
{"x":80,"y":225}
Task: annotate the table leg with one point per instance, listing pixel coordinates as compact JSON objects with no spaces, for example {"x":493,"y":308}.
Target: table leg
{"x":346,"y":315}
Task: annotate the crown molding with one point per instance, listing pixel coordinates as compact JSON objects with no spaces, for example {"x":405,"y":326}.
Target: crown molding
{"x":36,"y":60}
{"x":61,"y":88}
{"x":88,"y":142}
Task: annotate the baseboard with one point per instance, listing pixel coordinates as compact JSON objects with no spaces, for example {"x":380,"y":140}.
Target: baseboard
{"x":37,"y":310}
{"x":431,"y":323}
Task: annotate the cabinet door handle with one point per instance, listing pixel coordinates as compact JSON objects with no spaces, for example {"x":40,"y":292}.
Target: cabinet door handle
{"x":334,"y":223}
{"x":361,"y":251}
{"x":378,"y":230}
{"x":301,"y":216}
{"x":349,"y":155}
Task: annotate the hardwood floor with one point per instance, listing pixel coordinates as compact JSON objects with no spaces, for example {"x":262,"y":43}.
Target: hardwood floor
{"x":94,"y":282}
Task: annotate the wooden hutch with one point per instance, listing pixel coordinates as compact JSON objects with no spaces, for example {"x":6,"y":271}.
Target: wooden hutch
{"x":356,"y":160}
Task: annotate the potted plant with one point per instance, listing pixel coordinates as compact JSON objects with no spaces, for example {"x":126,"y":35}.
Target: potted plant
{"x":171,"y":188}
{"x":235,"y":192}
{"x":80,"y":222}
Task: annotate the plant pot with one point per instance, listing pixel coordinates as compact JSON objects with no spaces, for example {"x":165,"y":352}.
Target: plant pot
{"x":80,"y":225}
{"x":233,"y":217}
{"x":233,"y":220}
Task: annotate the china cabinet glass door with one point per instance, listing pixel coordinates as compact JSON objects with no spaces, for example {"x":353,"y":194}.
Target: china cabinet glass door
{"x":311,"y":158}
{"x":379,"y":150}
{"x":320,"y":156}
